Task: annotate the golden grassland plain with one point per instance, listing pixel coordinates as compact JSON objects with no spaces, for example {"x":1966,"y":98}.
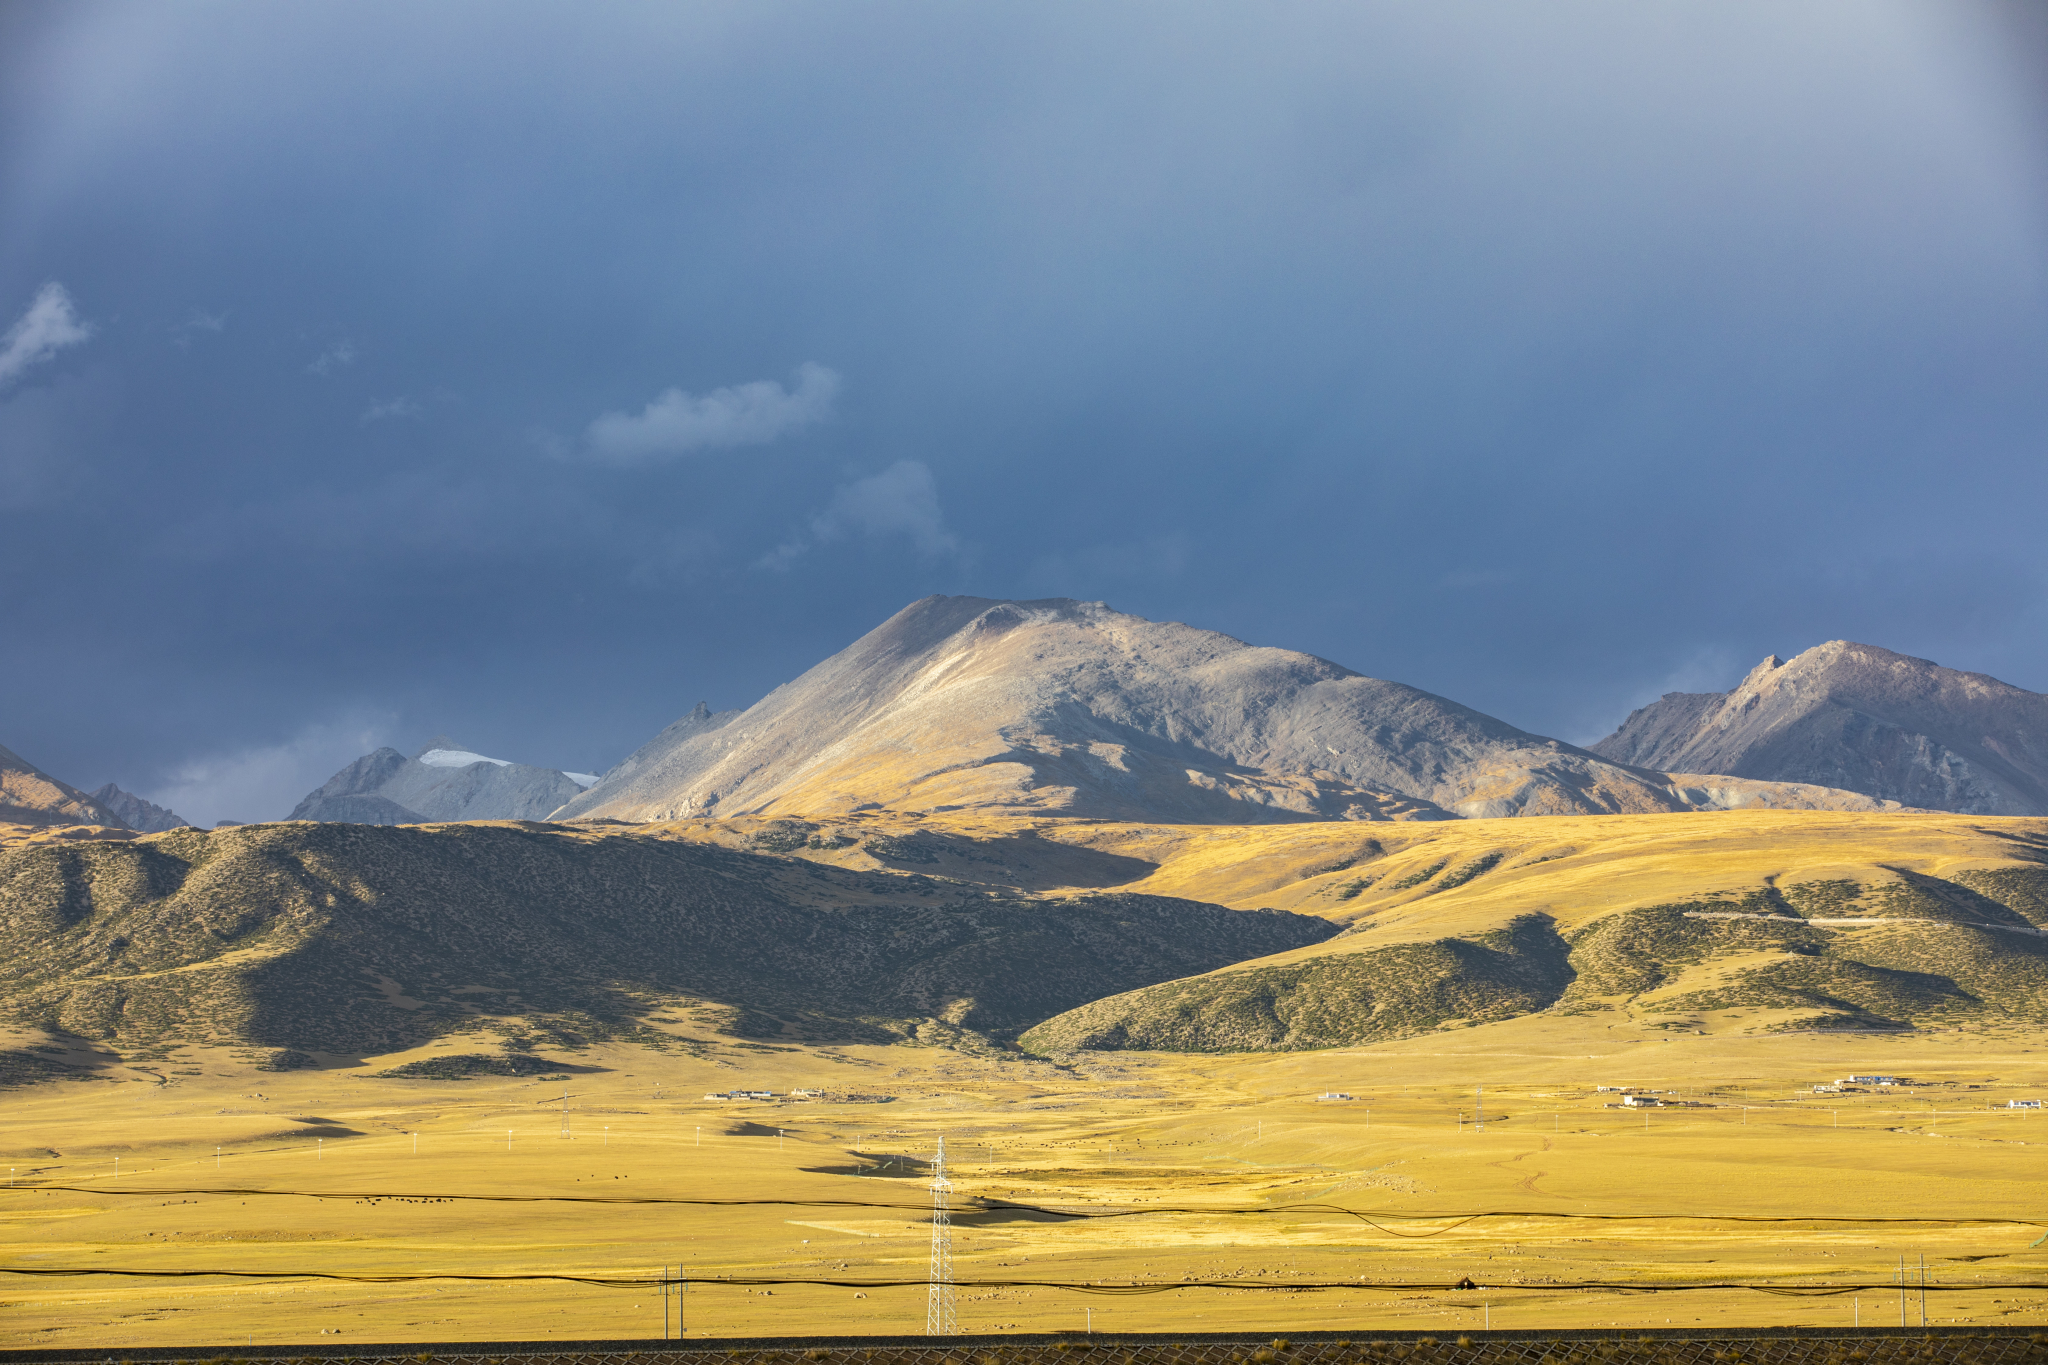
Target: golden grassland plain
{"x":1209,"y":1133}
{"x":1570,"y":1184}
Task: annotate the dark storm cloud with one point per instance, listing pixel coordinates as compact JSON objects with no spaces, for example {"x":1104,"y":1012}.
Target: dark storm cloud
{"x":529,"y":373}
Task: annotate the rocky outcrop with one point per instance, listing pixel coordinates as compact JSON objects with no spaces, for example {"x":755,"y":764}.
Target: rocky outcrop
{"x":1862,"y":719}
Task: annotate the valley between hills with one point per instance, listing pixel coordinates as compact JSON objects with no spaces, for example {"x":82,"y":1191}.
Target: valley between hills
{"x":1732,"y":961}
{"x":1231,"y":944}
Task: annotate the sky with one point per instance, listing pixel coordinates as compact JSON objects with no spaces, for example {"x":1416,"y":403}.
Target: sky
{"x":530,"y":372}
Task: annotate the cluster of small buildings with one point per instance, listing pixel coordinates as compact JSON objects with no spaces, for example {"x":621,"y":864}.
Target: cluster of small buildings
{"x":1850,"y":1085}
{"x":1635,"y":1096}
{"x":765,"y":1096}
{"x":1335,"y":1095}
{"x":1642,"y":1097}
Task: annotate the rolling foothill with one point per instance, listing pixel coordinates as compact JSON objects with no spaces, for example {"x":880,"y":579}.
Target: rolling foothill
{"x":1292,"y":969}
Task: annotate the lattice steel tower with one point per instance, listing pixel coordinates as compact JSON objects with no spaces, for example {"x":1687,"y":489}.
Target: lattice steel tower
{"x":939,"y":1320}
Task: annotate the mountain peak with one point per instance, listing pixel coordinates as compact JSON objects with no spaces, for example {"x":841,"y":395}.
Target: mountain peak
{"x":1062,"y":707}
{"x":442,"y":782}
{"x":136,"y":813}
{"x":30,"y":796}
{"x":1859,"y":717}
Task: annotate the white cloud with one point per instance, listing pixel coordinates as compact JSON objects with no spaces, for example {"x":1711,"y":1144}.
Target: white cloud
{"x":264,"y":782}
{"x":333,"y":358}
{"x":741,"y":415}
{"x":199,"y":321}
{"x":50,"y":324}
{"x":902,"y":500}
{"x":380,"y":409}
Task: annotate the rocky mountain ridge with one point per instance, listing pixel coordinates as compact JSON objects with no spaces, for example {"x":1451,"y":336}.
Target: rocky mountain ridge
{"x":1059,"y":707}
{"x":443,"y":781}
{"x":30,"y":796}
{"x":144,"y":817}
{"x":1859,"y":718}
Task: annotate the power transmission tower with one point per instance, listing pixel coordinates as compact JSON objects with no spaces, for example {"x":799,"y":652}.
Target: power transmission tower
{"x":939,"y":1320}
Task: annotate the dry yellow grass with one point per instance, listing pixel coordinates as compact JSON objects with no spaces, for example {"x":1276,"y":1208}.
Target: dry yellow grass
{"x":1122,"y":1130}
{"x":1574,"y":867}
{"x":1109,"y":1130}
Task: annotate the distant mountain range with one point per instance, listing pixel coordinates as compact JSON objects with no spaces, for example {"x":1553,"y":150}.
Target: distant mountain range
{"x":137,"y":814}
{"x":1863,"y":719}
{"x":1059,"y":707}
{"x":832,"y":897}
{"x":443,"y":781}
{"x":1066,"y":708}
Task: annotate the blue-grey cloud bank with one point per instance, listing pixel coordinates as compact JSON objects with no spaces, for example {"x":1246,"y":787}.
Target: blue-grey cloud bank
{"x":529,"y":372}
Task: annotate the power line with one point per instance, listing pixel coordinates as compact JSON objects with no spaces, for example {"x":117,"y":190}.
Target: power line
{"x":1075,"y":1286}
{"x":986,"y":1206}
{"x":939,"y":1319}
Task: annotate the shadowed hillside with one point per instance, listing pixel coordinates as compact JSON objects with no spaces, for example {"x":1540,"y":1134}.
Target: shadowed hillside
{"x":347,"y":939}
{"x":1339,"y":1000}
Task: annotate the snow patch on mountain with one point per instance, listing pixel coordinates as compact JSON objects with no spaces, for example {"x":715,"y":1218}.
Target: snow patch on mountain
{"x":443,"y":781}
{"x":458,"y":758}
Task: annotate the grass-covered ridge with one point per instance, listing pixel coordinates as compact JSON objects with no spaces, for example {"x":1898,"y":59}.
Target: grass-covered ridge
{"x":1771,"y":921}
{"x":1336,"y":1000}
{"x":360,"y":939}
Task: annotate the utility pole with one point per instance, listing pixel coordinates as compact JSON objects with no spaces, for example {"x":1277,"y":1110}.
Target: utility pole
{"x":675,"y":1283}
{"x":1479,"y":1108}
{"x":939,"y":1320}
{"x":1923,"y":1289}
